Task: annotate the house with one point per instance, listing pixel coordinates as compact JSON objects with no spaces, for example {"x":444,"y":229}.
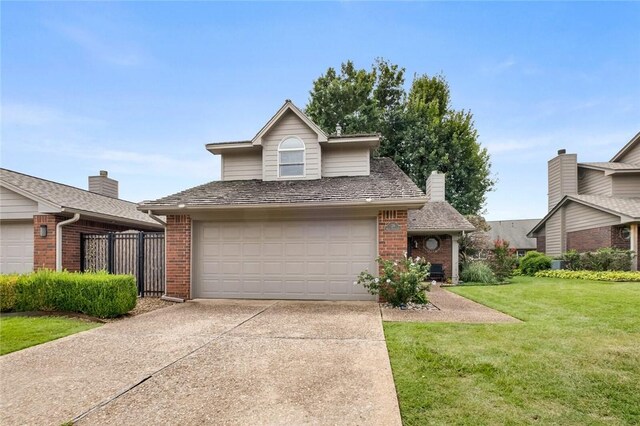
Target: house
{"x":514,"y":231}
{"x":592,"y":205}
{"x":298,"y":214}
{"x":41,"y":220}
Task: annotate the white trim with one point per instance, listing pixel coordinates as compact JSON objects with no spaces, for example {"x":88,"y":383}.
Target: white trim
{"x":289,"y":106}
{"x":304,"y":157}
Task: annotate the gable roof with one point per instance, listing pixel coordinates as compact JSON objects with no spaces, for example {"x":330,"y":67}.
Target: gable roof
{"x":610,"y":167}
{"x":628,"y":147}
{"x":289,"y":106}
{"x":386,"y":184}
{"x":628,"y":209}
{"x":514,"y":231}
{"x":65,"y":198}
{"x":437,"y":216}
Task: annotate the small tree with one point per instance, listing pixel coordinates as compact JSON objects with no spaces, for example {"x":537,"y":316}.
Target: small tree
{"x":502,"y":260}
{"x":399,"y":282}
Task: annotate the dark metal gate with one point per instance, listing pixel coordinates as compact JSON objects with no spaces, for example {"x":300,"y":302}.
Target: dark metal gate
{"x":140,"y":254}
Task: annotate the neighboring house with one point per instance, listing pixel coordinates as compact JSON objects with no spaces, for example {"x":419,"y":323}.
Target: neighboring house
{"x":34,"y":210}
{"x":514,"y":231}
{"x":592,"y":205}
{"x":299,"y":214}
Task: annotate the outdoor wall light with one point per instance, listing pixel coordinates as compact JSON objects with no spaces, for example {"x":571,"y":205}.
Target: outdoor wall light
{"x":43,"y":231}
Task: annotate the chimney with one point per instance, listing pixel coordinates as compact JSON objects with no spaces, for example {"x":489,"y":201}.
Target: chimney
{"x":562,"y":176}
{"x":103,"y":185}
{"x":435,"y":186}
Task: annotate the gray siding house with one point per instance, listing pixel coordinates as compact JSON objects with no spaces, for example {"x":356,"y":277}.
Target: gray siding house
{"x":298,"y":214}
{"x":592,"y":205}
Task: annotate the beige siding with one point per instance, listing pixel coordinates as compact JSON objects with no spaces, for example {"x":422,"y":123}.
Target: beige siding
{"x":290,"y":125}
{"x":16,"y":206}
{"x":345,"y":161}
{"x":627,"y":186}
{"x":633,"y":156}
{"x":578,"y":217}
{"x":554,"y":235}
{"x":242,"y":166}
{"x":593,"y":182}
{"x":563,"y":178}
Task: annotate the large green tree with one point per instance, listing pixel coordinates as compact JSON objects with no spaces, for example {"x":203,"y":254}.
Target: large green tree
{"x":420,"y":131}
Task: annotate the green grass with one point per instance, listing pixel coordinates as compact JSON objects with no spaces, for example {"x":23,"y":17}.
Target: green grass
{"x":575,"y":360}
{"x":22,"y":332}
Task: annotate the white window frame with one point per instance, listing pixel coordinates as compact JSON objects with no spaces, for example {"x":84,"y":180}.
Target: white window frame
{"x":304,"y":157}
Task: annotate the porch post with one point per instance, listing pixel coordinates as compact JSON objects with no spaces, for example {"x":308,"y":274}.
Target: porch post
{"x":634,"y":245}
{"x":454,"y":259}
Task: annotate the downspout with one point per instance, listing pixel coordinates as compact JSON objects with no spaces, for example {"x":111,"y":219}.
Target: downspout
{"x":156,"y":218}
{"x":75,"y":218}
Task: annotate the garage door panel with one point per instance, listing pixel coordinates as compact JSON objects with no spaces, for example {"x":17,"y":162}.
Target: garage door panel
{"x":283,"y":259}
{"x":16,"y":247}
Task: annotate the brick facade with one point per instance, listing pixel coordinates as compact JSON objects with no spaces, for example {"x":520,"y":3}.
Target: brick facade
{"x":441,"y":255}
{"x":178,"y":256}
{"x":595,"y":238}
{"x":44,"y":249}
{"x":392,"y":234}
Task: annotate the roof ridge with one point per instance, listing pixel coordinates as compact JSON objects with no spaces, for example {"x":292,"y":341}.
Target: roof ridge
{"x":68,"y":186}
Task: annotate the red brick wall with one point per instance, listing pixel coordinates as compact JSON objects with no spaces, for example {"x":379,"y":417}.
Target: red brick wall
{"x":44,"y":249}
{"x":616,"y":238}
{"x":178,"y":256}
{"x":589,"y":239}
{"x":541,"y":244}
{"x":392,"y":243}
{"x":441,"y":255}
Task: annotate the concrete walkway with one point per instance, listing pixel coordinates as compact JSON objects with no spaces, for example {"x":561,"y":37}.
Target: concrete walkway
{"x":211,"y":362}
{"x":452,"y":308}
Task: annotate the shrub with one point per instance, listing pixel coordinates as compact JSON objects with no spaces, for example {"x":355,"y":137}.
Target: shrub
{"x":619,"y":276}
{"x":502,"y":260}
{"x":8,"y":285}
{"x":477,"y":272}
{"x":572,"y":260}
{"x":533,"y":262}
{"x":400,"y":282}
{"x":96,"y":294}
{"x":607,"y":259}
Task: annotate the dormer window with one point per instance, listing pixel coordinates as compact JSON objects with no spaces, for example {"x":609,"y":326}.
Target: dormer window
{"x":291,"y":157}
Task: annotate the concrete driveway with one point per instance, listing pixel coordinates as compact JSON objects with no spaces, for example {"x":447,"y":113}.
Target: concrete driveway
{"x":211,"y":362}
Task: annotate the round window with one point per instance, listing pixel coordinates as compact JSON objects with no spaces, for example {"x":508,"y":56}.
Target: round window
{"x":625,"y":233}
{"x":432,"y":244}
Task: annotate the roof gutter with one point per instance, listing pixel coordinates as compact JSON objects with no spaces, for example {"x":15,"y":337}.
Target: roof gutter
{"x":409,"y":203}
{"x":75,"y":218}
{"x":156,"y":218}
{"x":114,"y":219}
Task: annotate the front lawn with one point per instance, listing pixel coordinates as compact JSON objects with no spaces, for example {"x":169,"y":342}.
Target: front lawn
{"x":21,"y":332}
{"x":575,"y":359}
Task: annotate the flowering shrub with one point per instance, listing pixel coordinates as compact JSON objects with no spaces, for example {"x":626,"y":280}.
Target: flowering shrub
{"x":502,"y":260}
{"x":399,"y":281}
{"x":620,"y":276}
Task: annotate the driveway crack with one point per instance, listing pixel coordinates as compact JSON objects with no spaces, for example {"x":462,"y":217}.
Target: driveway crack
{"x":147,"y":377}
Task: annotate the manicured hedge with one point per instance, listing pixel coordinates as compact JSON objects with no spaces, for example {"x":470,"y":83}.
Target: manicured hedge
{"x":96,"y":294}
{"x":533,"y":262}
{"x":622,"y":276}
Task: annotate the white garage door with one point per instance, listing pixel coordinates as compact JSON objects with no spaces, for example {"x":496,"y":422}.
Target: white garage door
{"x":316,"y":260}
{"x":16,"y":247}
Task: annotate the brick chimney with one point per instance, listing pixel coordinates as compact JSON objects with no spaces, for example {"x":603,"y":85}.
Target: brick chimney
{"x":435,"y":186}
{"x":103,"y":185}
{"x":563,"y":176}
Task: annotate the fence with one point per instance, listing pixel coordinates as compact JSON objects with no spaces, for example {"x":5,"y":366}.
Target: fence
{"x":140,"y":254}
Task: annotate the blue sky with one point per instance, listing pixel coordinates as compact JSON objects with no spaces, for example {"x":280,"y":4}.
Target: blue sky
{"x":139,"y":88}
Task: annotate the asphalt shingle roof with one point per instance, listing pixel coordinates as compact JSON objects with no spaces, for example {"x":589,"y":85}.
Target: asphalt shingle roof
{"x":386,"y":182}
{"x":612,"y":166}
{"x":623,"y":206}
{"x":514,"y":231}
{"x":70,"y":197}
{"x":438,"y":215}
